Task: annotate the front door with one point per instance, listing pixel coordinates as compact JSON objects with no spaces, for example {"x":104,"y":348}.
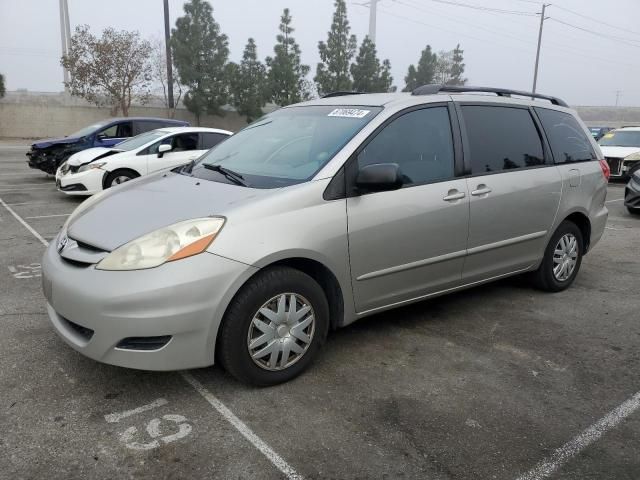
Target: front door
{"x":514,"y":190}
{"x":407,"y":243}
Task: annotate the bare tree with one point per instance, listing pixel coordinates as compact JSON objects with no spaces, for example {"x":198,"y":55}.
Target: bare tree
{"x":444,"y":62}
{"x":159,"y":77}
{"x":112,"y":70}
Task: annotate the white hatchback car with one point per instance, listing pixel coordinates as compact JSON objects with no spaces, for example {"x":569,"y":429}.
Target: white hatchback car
{"x":93,"y":170}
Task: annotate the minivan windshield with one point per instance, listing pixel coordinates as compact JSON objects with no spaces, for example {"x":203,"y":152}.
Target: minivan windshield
{"x":621,"y":138}
{"x":139,"y":140}
{"x":286,"y":147}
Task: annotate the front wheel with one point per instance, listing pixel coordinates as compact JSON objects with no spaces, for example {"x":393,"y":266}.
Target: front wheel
{"x":562,"y":259}
{"x":119,"y":176}
{"x":274,"y":327}
{"x":633,"y":211}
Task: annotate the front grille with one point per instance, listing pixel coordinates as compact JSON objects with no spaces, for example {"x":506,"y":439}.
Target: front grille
{"x":144,"y":343}
{"x":615,"y":165}
{"x":74,"y":187}
{"x":84,"y":332}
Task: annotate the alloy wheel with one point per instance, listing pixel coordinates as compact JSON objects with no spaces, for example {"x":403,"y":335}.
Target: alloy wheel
{"x":565,"y":257}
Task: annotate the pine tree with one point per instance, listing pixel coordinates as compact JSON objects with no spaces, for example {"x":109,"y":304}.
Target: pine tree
{"x":2,"y":88}
{"x":287,"y":75}
{"x":200,"y":53}
{"x":333,"y":73}
{"x":248,"y":83}
{"x":367,"y":72}
{"x":457,"y":67}
{"x":424,"y":73}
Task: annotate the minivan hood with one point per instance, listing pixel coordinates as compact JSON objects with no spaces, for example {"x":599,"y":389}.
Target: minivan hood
{"x":47,"y":142}
{"x":618,"y":152}
{"x":138,"y":207}
{"x":89,"y":155}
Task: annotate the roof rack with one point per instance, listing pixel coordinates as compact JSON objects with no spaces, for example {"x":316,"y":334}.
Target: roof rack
{"x":501,"y":92}
{"x":341,"y":94}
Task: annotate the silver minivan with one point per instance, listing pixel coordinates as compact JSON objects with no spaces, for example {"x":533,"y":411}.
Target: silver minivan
{"x":322,"y":213}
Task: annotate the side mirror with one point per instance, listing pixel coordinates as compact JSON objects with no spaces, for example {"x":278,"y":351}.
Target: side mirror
{"x":379,"y":177}
{"x":164,"y":148}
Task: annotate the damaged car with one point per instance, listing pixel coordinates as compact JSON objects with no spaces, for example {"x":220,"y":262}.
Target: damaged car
{"x":96,"y":169}
{"x":48,"y":154}
{"x":632,"y":194}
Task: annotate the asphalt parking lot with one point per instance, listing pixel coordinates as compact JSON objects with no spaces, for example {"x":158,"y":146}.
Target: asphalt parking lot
{"x":497,"y":382}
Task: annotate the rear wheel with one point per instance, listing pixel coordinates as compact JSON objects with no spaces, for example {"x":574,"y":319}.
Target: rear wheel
{"x":119,"y":176}
{"x":274,"y":327}
{"x":562,"y":259}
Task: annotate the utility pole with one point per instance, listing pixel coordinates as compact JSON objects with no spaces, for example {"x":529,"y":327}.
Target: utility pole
{"x":535,"y":70}
{"x":373,"y":12}
{"x":65,"y":36}
{"x":618,"y":93}
{"x":167,"y":43}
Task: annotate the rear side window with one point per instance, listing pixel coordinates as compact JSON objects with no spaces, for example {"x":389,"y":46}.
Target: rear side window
{"x":568,"y":140}
{"x":210,"y":140}
{"x":501,"y":139}
{"x":420,"y":142}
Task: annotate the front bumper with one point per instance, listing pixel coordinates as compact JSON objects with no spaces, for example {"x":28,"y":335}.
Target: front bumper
{"x":632,"y":193}
{"x":619,"y":167}
{"x":81,"y":183}
{"x":185,"y":300}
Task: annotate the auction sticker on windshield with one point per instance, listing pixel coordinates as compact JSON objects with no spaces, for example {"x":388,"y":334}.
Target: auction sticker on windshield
{"x":349,"y":113}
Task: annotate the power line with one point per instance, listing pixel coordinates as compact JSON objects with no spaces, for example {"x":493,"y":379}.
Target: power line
{"x":626,"y":41}
{"x":599,"y":21}
{"x":486,"y":9}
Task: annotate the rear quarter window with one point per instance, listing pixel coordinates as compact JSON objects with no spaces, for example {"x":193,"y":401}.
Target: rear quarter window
{"x":568,"y":140}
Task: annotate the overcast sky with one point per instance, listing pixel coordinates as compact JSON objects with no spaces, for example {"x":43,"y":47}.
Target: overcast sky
{"x":583,"y":67}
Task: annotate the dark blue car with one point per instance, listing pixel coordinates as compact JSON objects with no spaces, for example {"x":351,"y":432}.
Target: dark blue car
{"x":48,"y":154}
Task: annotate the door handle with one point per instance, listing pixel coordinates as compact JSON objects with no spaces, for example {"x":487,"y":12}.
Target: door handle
{"x":453,"y":195}
{"x":481,"y":190}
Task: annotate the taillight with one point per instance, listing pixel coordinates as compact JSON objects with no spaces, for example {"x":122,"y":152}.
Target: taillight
{"x":606,"y":171}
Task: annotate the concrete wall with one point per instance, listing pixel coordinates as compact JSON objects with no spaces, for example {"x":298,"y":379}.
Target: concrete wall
{"x":39,"y":115}
{"x":42,"y":115}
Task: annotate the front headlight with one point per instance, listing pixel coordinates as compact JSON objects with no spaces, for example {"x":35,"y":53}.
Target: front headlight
{"x":167,"y":244}
{"x":91,"y":166}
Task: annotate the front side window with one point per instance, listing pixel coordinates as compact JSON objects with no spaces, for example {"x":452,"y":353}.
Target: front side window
{"x":139,"y":140}
{"x":184,"y":142}
{"x":501,"y":139}
{"x":419,"y":142}
{"x":286,"y":147}
{"x":569,"y":143}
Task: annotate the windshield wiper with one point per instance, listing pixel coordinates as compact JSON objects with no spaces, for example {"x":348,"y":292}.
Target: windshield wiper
{"x":230,"y":174}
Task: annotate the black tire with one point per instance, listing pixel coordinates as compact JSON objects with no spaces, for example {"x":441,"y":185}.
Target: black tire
{"x":633,"y":211}
{"x":544,"y":278}
{"x":117,"y":174}
{"x":232,"y":344}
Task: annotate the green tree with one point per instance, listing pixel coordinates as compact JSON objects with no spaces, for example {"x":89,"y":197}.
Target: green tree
{"x":424,"y":73}
{"x":287,"y":75}
{"x":111,"y":70}
{"x":200,"y":54}
{"x":249,"y":90}
{"x":2,"y":87}
{"x":367,"y":72}
{"x":456,"y":71}
{"x":333,"y":73}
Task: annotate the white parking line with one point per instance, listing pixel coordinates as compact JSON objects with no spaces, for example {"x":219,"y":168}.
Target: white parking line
{"x":256,"y":441}
{"x":11,"y":185}
{"x":11,"y":190}
{"x":582,"y":441}
{"x":24,"y":224}
{"x":116,"y":417}
{"x":615,"y":200}
{"x":49,"y":216}
{"x":228,"y":415}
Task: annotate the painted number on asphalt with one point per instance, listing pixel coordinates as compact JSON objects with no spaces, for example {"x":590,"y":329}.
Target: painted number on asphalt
{"x":32,"y":270}
{"x":173,"y":426}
